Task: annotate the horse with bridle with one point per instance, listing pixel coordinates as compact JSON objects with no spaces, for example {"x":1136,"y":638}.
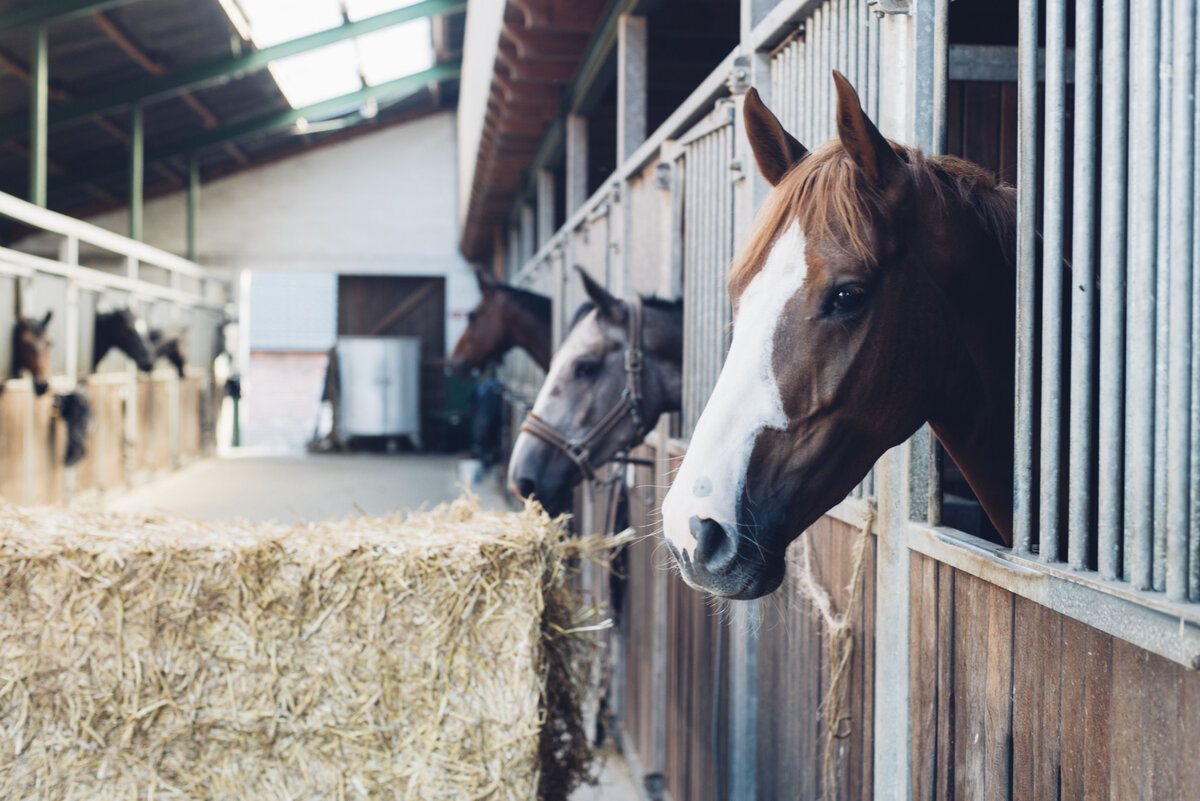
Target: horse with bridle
{"x":31,"y":350}
{"x":616,"y":371}
{"x":505,"y":318}
{"x":875,"y":293}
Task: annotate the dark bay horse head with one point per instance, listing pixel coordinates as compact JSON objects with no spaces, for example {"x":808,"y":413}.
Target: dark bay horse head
{"x":120,"y":329}
{"x":875,"y":293}
{"x":31,"y":350}
{"x":170,"y":345}
{"x":76,"y":411}
{"x":581,"y":399}
{"x":504,"y":318}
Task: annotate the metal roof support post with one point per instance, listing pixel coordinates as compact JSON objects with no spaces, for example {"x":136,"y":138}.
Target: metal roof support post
{"x":528,"y":233}
{"x":193,"y":204}
{"x":577,"y":162}
{"x":631,"y":85}
{"x":545,"y":207}
{"x":39,"y":104}
{"x":137,"y":169}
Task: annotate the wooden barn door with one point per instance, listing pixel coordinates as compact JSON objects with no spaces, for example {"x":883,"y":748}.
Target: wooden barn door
{"x":385,"y":305}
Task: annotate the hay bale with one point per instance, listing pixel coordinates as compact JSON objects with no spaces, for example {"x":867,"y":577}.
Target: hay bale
{"x":402,"y":657}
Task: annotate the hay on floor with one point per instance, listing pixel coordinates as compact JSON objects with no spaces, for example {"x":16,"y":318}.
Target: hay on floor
{"x":436,"y":656}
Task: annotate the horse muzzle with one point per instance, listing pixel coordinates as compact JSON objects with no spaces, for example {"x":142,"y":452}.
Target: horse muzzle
{"x":726,"y":561}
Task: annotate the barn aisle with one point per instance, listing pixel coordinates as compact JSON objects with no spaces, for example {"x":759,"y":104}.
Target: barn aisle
{"x":292,"y":488}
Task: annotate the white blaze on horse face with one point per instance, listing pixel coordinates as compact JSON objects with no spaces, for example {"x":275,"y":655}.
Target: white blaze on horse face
{"x":745,"y":401}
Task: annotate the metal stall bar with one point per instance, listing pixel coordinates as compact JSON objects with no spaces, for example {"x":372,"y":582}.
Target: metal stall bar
{"x":1194,"y":547}
{"x":941,"y":74}
{"x":1162,"y":295}
{"x":1026,"y":374}
{"x":1180,"y":319}
{"x":1083,"y":286}
{"x":1112,"y":287}
{"x":1052,"y":274}
{"x":1141,"y":308}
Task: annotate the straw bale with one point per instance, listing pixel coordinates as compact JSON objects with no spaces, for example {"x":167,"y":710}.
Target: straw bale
{"x":433,"y":656}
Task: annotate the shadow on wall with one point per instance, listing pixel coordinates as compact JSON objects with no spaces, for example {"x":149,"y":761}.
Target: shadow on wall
{"x":283,"y":398}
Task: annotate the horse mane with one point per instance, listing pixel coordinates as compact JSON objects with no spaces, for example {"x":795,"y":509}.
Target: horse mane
{"x":530,"y":302}
{"x":828,"y":195}
{"x":648,"y":301}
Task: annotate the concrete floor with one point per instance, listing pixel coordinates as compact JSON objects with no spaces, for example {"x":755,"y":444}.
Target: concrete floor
{"x":298,"y":487}
{"x":293,"y":488}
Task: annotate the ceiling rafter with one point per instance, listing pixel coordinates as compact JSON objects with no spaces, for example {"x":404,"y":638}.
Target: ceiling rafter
{"x":177,"y":80}
{"x":46,"y":11}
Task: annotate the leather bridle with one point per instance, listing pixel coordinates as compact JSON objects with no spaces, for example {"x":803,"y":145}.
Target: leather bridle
{"x":579,"y":450}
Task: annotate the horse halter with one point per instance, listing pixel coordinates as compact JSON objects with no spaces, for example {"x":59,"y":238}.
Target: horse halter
{"x":579,"y":450}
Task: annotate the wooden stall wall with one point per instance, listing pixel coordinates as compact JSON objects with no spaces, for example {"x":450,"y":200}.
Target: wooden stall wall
{"x":794,"y":673}
{"x":1012,"y":700}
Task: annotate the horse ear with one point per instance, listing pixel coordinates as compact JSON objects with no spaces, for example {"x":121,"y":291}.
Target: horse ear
{"x":775,"y":150}
{"x":606,"y":303}
{"x":859,"y":136}
{"x":46,"y":320}
{"x":486,"y":283}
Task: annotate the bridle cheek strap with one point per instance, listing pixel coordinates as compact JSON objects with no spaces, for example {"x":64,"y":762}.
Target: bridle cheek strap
{"x":579,"y":451}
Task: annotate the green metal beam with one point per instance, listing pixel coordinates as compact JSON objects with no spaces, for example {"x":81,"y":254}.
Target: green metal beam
{"x":137,"y":170}
{"x":383,"y":93}
{"x":176,"y":81}
{"x":39,"y":97}
{"x":193,"y":204}
{"x":40,"y":12}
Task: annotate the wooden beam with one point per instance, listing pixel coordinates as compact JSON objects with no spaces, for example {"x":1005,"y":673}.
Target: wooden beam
{"x":40,"y":12}
{"x":22,"y":73}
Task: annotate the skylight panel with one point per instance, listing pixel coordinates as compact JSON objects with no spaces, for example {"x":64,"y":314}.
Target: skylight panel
{"x":275,"y":21}
{"x":395,"y":52}
{"x":361,"y":9}
{"x":317,"y":75}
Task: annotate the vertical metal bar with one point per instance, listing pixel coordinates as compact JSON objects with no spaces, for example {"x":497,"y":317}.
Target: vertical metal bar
{"x":821,"y":20}
{"x":807,"y":129}
{"x":1052,"y":275}
{"x":941,"y":71}
{"x":1026,"y":374}
{"x":1083,"y":286}
{"x":1141,"y":310}
{"x":1163,"y":295}
{"x":873,"y":65}
{"x":137,"y":166}
{"x":1180,"y":321}
{"x":1112,"y":290}
{"x":193,"y":204}
{"x":39,"y":105}
{"x":1194,"y":547}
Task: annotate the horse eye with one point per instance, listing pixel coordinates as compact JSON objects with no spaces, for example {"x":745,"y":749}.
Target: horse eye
{"x":847,"y":299}
{"x":586,"y":368}
{"x":471,"y":316}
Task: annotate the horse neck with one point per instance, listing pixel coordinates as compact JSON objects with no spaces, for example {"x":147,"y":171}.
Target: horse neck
{"x":975,"y":415}
{"x":531,"y":332}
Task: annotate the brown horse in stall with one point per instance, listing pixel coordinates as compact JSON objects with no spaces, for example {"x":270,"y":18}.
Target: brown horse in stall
{"x":31,"y":350}
{"x":876,"y":292}
{"x":505,"y":318}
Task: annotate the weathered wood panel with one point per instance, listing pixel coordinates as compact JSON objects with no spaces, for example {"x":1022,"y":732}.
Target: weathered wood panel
{"x":794,"y":679}
{"x":190,"y":421}
{"x":1030,"y":704}
{"x":49,"y":449}
{"x":108,"y":406}
{"x":14,"y":401}
{"x":160,"y":421}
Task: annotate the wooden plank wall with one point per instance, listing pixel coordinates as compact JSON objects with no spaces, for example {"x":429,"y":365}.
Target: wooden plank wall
{"x":642,"y":563}
{"x":1011,"y":700}
{"x":112,"y":461}
{"x":794,"y":677}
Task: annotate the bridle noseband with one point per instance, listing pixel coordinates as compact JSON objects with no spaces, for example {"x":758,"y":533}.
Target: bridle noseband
{"x":579,"y":450}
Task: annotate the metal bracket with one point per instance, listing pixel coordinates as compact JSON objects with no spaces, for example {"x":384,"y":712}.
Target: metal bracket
{"x":614,"y":193}
{"x":739,"y":77}
{"x":890,"y":6}
{"x":737,"y":171}
{"x":662,"y":175}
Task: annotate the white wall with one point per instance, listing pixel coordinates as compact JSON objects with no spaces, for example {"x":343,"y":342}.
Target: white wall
{"x":382,"y":203}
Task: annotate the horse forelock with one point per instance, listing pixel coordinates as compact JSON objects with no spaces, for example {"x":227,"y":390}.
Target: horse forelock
{"x":827,"y":194}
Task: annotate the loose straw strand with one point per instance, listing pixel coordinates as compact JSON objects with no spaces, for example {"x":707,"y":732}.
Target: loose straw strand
{"x":840,"y":646}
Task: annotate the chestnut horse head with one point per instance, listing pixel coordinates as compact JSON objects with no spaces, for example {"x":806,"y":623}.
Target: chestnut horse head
{"x":875,"y":292}
{"x":616,"y":371}
{"x":504,"y":318}
{"x":31,"y":350}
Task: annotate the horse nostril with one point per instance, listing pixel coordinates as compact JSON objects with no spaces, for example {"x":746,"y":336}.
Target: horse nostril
{"x":526,"y":487}
{"x":716,"y":547}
